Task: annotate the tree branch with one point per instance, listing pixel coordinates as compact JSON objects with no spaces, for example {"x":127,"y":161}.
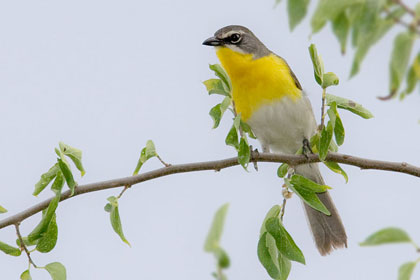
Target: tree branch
{"x":217,"y":165}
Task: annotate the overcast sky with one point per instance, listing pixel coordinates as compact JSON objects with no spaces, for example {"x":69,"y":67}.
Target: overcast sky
{"x":106,"y":76}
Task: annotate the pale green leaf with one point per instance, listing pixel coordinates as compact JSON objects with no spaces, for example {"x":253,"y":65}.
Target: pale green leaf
{"x":49,"y":239}
{"x":68,"y":175}
{"x":413,"y":76}
{"x":270,"y":264}
{"x":337,"y":123}
{"x":317,"y":63}
{"x":282,"y":170}
{"x":221,"y":73}
{"x":2,"y":210}
{"x":216,"y":114}
{"x":406,"y":270}
{"x":47,"y":216}
{"x":325,"y":141}
{"x":273,"y":212}
{"x":232,"y":138}
{"x":46,"y":178}
{"x":57,"y":271}
{"x":284,"y":241}
{"x":335,"y":167}
{"x":10,"y":250}
{"x":341,"y":29}
{"x":58,"y":183}
{"x":244,"y":153}
{"x":216,"y":229}
{"x":146,"y":153}
{"x":297,"y":10}
{"x":403,"y":44}
{"x":329,"y":79}
{"x":308,"y":196}
{"x":25,"y":275}
{"x":349,"y":105}
{"x":387,"y":236}
{"x":115,"y":219}
{"x":215,"y":86}
{"x":301,"y":182}
{"x":74,"y":154}
{"x":285,"y":266}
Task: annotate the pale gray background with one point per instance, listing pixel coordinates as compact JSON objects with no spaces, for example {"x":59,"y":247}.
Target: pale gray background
{"x":106,"y":76}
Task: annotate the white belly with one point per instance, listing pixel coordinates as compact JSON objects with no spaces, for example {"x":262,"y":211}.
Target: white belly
{"x":283,"y":125}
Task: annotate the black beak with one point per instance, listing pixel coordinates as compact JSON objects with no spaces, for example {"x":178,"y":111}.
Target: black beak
{"x":213,"y":41}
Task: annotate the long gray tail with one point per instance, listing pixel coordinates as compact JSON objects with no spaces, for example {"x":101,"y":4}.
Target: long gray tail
{"x":328,"y":231}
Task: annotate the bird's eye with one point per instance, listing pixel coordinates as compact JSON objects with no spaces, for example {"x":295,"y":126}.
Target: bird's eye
{"x":235,"y":38}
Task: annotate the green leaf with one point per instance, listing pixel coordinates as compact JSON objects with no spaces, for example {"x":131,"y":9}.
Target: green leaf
{"x":49,"y":239}
{"x":349,"y":105}
{"x":216,"y":114}
{"x":305,"y":183}
{"x":2,"y":210}
{"x":232,"y":138}
{"x":387,"y":236}
{"x":47,"y":216}
{"x":269,"y":262}
{"x":26,"y":242}
{"x":413,"y":75}
{"x":58,"y":183}
{"x":325,"y":141}
{"x":329,"y":79}
{"x":215,"y":86}
{"x":273,"y":212}
{"x":25,"y":275}
{"x":317,"y":63}
{"x":247,"y":129}
{"x":56,"y":270}
{"x":67,"y":175}
{"x":46,"y":178}
{"x":222,"y":257}
{"x":308,"y":196}
{"x":368,"y":29}
{"x":285,"y":266}
{"x":10,"y":250}
{"x":108,"y":207}
{"x":74,"y":154}
{"x":335,"y":167}
{"x":282,"y":170}
{"x":403,"y":44}
{"x":244,"y":153}
{"x":297,"y":10}
{"x":341,"y":28}
{"x":284,"y":241}
{"x":406,"y":270}
{"x":146,"y":153}
{"x":329,"y":10}
{"x":115,"y":219}
{"x":215,"y":233}
{"x":337,"y":123}
{"x":220,"y":72}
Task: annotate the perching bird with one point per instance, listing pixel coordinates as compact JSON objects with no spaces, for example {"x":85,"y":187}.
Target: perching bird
{"x":269,"y":98}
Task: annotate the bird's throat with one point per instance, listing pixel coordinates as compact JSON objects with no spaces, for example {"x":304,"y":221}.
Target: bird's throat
{"x":257,"y":82}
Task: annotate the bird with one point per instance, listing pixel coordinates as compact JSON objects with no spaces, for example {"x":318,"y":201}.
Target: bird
{"x":269,"y":98}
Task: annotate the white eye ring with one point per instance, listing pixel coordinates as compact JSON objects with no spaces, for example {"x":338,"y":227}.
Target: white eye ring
{"x":235,"y":38}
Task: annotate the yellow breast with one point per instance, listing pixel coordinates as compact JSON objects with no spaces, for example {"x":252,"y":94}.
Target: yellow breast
{"x":256,"y":82}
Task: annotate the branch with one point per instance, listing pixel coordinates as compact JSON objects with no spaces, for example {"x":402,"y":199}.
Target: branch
{"x":217,"y":165}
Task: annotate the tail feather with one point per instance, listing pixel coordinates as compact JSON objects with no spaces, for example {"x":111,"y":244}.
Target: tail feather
{"x":328,"y":231}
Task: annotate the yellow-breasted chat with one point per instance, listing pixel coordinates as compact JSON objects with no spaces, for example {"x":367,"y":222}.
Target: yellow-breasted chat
{"x":269,"y":98}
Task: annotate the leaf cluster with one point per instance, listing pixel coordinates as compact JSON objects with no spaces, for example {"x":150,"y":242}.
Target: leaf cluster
{"x":365,"y":23}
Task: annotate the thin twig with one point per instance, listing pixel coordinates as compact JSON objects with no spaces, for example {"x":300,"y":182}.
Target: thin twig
{"x":323,"y":108}
{"x":405,"y":7}
{"x":291,"y":160}
{"x":401,"y":22}
{"x":23,"y":246}
{"x":126,"y":187}
{"x":161,"y":160}
{"x":283,"y":208}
